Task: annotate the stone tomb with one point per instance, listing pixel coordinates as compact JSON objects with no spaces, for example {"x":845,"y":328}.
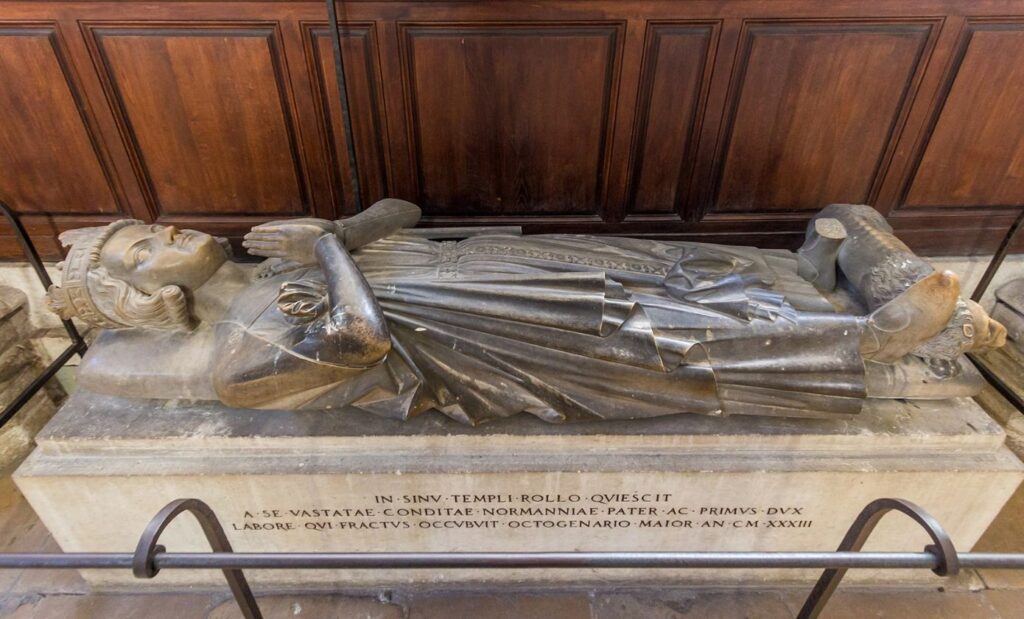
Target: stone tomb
{"x":345,"y":481}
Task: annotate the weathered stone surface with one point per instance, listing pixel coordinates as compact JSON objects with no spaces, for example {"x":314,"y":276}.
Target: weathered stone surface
{"x":496,"y":606}
{"x":112,"y":606}
{"x":320,"y":607}
{"x":858,"y":605}
{"x":111,"y":425}
{"x":1005,"y":535}
{"x":369,"y":314}
{"x":20,"y":363}
{"x":695,"y":604}
{"x":294,"y":481}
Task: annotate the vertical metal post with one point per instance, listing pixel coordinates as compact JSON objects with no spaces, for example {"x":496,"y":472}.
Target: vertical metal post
{"x":997,"y":259}
{"x":29,"y":249}
{"x":346,"y":117}
{"x":78,"y":345}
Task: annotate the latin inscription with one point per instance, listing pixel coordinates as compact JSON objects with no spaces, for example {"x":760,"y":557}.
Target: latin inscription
{"x":406,"y":512}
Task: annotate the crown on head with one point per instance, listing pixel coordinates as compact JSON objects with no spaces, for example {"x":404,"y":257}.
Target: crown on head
{"x":72,"y":297}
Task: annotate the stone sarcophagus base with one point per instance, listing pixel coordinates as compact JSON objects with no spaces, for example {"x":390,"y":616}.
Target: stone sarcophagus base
{"x":347,"y":481}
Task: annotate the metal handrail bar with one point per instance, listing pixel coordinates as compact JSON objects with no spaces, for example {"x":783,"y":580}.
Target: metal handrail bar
{"x":510,"y":560}
{"x":149,"y":557}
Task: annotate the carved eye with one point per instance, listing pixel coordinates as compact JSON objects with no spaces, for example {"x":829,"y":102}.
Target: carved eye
{"x":140,"y":255}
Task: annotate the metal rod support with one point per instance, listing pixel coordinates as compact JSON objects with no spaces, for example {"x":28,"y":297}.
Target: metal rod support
{"x":997,"y":259}
{"x":144,"y":564}
{"x":149,"y":557}
{"x":37,"y":383}
{"x":946,"y":559}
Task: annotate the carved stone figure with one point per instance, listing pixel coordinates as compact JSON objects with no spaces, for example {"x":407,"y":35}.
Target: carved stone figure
{"x":368,"y":313}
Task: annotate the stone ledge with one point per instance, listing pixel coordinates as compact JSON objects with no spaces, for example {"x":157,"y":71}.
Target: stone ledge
{"x":96,"y":424}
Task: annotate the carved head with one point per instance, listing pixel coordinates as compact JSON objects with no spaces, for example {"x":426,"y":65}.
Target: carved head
{"x":989,"y":333}
{"x":131,"y":274}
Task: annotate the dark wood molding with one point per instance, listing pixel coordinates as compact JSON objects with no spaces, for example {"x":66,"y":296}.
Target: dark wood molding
{"x":371,"y":142}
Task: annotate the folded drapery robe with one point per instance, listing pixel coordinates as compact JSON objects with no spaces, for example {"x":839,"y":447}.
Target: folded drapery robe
{"x":570,"y":327}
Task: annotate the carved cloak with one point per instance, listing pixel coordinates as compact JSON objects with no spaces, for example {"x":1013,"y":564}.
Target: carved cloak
{"x":574,"y":327}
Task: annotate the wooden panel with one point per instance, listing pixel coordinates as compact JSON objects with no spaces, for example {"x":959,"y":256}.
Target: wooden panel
{"x":813,"y":113}
{"x":975,"y":154}
{"x":510,"y":119}
{"x":49,"y":159}
{"x":44,"y":230}
{"x":207,"y":112}
{"x":361,"y":79}
{"x":675,"y":77}
{"x":726,"y":121}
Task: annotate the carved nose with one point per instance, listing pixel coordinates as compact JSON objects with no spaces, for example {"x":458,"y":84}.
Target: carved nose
{"x":168,"y":234}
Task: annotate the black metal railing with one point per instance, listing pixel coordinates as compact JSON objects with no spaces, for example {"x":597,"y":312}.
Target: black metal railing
{"x":78,"y":345}
{"x":150,"y":557}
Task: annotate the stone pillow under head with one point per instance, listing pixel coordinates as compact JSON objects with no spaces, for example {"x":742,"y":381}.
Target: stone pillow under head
{"x":144,"y":363}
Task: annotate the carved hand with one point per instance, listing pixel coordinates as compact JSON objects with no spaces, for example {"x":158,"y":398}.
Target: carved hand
{"x":293,"y":239}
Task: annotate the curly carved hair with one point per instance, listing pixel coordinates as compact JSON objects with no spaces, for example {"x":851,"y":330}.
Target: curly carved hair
{"x":90,"y":293}
{"x":166,"y":309}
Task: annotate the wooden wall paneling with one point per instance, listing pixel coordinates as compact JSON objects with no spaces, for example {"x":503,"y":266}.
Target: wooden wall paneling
{"x":208,"y":114}
{"x":955,"y":231}
{"x":362,"y":76}
{"x":623,"y":110}
{"x":49,"y":155}
{"x":922,"y":109}
{"x":507,"y":131}
{"x":700,"y":193}
{"x":44,"y":230}
{"x":400,"y":153}
{"x":677,"y":73}
{"x":925,"y":97}
{"x":302,"y":94}
{"x":813,"y":112}
{"x":53,"y":164}
{"x":973,"y":154}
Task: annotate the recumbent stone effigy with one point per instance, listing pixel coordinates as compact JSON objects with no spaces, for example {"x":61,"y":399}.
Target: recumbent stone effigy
{"x":358,"y":313}
{"x":371,"y":386}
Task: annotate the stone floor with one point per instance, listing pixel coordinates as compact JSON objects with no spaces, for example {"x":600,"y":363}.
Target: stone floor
{"x":63,"y":594}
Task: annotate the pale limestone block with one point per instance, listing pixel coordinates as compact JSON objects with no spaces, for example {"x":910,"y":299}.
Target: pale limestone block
{"x":345,"y":481}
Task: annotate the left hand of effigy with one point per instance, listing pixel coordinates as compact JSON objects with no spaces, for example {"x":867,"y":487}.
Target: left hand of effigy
{"x":288,"y":239}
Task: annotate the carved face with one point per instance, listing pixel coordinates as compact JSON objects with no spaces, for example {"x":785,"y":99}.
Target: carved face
{"x":989,"y":334}
{"x":150,"y":257}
